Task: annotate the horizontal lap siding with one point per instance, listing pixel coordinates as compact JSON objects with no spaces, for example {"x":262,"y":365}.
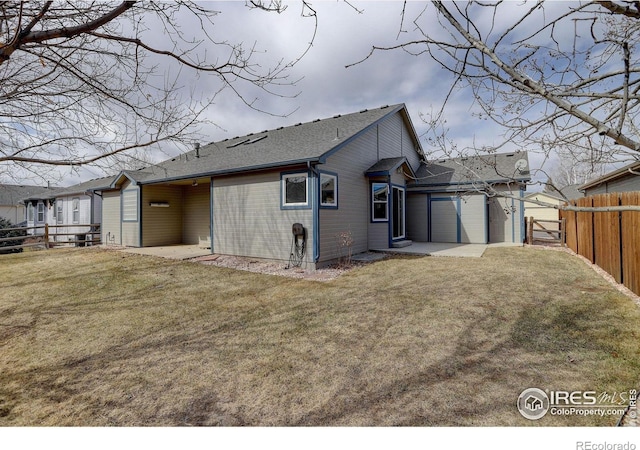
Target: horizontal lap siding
{"x":390,"y":138}
{"x":444,"y":219}
{"x":111,"y":218}
{"x":473,"y":219}
{"x":417,"y":217}
{"x":352,"y":215}
{"x":196,"y":215}
{"x":248,"y":221}
{"x":161,"y":226}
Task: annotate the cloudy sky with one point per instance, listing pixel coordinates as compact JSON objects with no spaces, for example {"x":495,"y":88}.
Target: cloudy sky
{"x":345,"y":34}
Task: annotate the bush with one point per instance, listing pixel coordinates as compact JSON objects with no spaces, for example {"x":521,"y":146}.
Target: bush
{"x":4,"y":223}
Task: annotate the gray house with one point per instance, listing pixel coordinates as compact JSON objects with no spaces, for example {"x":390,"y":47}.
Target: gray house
{"x":242,"y":196}
{"x":460,"y":199}
{"x":360,"y":174}
{"x":625,"y":179}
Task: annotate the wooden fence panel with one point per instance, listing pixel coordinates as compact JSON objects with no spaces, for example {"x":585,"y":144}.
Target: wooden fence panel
{"x":585,"y":229}
{"x":571,"y":228}
{"x":631,"y":242}
{"x":606,"y":236}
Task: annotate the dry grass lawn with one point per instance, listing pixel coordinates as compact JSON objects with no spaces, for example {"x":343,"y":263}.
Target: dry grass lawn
{"x":92,"y":337}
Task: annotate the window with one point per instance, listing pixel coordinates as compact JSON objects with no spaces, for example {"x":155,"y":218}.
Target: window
{"x":380,"y":200}
{"x":59,"y":211}
{"x":40,"y":214}
{"x":328,"y":190}
{"x":76,"y":210}
{"x":295,"y":190}
{"x":30,"y":212}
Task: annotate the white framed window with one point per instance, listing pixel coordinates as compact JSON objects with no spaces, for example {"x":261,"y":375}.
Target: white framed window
{"x":30,"y":212}
{"x":59,"y":211}
{"x":379,"y":202}
{"x":76,"y":209}
{"x":328,"y":190}
{"x":295,"y":190}
{"x":40,"y":213}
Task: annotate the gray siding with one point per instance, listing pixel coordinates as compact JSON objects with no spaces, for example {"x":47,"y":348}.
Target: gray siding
{"x":417,"y":218}
{"x":505,"y":224}
{"x":444,"y":219}
{"x":248,"y":221}
{"x":352,"y":214}
{"x":628,"y":183}
{"x":196,"y":227}
{"x":378,"y":235}
{"x":111,"y":218}
{"x":388,"y":139}
{"x":161,"y":226}
{"x":473,"y":219}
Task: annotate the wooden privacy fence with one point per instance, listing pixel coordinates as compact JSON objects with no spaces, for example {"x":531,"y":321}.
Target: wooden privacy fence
{"x":88,"y":235}
{"x":609,"y":239}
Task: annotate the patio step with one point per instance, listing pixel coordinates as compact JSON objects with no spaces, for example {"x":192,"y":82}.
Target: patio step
{"x":401,"y":244}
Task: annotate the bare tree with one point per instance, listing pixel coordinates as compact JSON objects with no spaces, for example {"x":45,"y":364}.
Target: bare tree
{"x":82,"y":82}
{"x":556,"y":76}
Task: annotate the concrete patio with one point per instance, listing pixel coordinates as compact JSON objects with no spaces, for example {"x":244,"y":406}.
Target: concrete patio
{"x":170,"y":251}
{"x":444,"y":249}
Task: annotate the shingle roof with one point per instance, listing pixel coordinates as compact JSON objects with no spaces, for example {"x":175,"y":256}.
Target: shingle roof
{"x":492,"y":168}
{"x":614,"y":175}
{"x":300,"y":143}
{"x":12,"y":194}
{"x":81,"y":188}
{"x":386,"y":164}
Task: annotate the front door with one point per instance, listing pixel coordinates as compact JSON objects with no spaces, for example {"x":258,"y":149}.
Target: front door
{"x":398,"y":216}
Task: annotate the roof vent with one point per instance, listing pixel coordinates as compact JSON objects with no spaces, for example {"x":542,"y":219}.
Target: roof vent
{"x":364,"y":110}
{"x":238,"y":143}
{"x":337,"y":115}
{"x":317,"y":120}
{"x":298,"y":124}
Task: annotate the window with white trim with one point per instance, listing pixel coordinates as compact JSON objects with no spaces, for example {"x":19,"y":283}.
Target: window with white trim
{"x":76,"y":210}
{"x":328,"y":190}
{"x":295,"y":190}
{"x":40,"y":213}
{"x":379,"y":202}
{"x":59,"y":211}
{"x":30,"y":212}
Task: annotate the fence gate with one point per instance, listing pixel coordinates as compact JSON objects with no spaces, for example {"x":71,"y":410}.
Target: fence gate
{"x":546,"y":231}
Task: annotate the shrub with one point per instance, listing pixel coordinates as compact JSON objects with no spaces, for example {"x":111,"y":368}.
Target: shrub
{"x":4,"y":223}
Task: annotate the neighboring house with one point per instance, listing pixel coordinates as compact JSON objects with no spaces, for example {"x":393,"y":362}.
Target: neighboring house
{"x":571,"y":192}
{"x":542,"y":212}
{"x":349,"y":174}
{"x":448,"y":204}
{"x":11,"y":196}
{"x":80,"y":204}
{"x":626,"y":179}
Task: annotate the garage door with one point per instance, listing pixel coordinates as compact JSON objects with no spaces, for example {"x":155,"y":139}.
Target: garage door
{"x":445,"y":219}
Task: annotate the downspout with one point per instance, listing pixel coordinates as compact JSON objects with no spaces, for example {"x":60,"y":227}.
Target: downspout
{"x":315,"y":212}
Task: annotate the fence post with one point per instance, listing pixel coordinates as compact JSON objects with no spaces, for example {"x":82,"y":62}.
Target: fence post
{"x":530,"y":231}
{"x":46,"y":236}
{"x":563,"y":232}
